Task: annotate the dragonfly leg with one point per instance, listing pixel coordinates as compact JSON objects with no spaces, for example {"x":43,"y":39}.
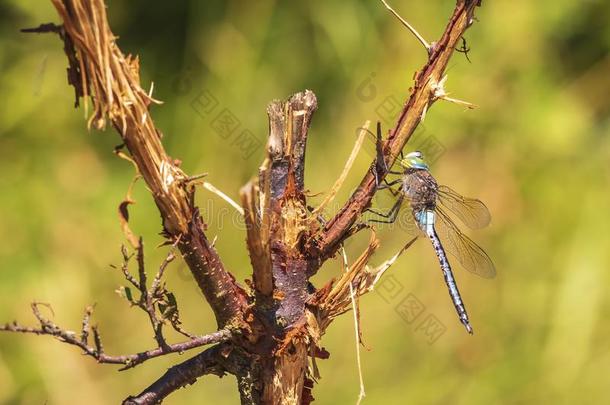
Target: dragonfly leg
{"x":390,"y":216}
{"x":388,"y":185}
{"x":395,"y":193}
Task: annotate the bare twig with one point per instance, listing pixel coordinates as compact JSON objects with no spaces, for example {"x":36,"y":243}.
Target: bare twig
{"x":211,"y":361}
{"x":375,"y":275}
{"x":154,"y":287}
{"x":43,"y":29}
{"x":409,"y":27}
{"x":125,"y":267}
{"x":147,"y":299}
{"x":46,"y":327}
{"x":84,"y":336}
{"x":348,"y":166}
{"x":154,"y":299}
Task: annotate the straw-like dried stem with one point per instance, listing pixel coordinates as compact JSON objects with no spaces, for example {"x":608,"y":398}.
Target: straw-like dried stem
{"x":111,"y":81}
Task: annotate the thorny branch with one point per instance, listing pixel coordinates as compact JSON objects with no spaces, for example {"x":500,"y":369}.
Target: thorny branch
{"x":426,"y":90}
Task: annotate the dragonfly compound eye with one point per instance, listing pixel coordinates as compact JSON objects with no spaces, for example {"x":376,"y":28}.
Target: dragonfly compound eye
{"x":414,"y":160}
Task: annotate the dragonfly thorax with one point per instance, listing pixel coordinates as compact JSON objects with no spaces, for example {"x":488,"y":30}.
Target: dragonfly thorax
{"x":420,"y":188}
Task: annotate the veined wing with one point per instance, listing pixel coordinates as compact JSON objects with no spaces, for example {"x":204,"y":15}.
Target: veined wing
{"x":407,"y":223}
{"x":469,"y":254}
{"x":472,"y":212}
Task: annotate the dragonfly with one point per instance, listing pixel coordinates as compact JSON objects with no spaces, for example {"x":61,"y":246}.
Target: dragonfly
{"x":430,"y":204}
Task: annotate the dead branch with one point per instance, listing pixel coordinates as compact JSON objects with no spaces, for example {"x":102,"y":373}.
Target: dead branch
{"x":212,"y":361}
{"x":269,"y":337}
{"x":48,"y":328}
{"x":157,"y":302}
{"x":111,"y":79}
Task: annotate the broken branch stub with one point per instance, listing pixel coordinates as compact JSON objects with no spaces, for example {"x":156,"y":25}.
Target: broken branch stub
{"x":278,"y":226}
{"x":110,"y":80}
{"x":276,"y":211}
{"x":288,"y":215}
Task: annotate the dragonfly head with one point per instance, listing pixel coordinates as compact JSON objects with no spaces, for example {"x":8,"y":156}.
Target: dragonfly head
{"x":414,"y":160}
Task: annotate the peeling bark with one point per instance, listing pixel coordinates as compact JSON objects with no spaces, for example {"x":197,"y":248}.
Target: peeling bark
{"x":283,"y":215}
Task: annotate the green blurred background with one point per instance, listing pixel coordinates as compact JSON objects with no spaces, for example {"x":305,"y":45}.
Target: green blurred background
{"x":536,"y":151}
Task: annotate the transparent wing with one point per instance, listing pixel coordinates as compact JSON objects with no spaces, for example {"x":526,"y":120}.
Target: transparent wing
{"x":469,"y":254}
{"x":406,"y":223}
{"x":473,"y":213}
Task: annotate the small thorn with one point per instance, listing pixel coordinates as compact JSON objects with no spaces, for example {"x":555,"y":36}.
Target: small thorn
{"x":429,"y":47}
{"x":192,"y":179}
{"x":439,"y":93}
{"x":43,"y":28}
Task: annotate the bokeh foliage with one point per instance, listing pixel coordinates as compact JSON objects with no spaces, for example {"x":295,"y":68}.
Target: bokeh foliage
{"x":536,"y":151}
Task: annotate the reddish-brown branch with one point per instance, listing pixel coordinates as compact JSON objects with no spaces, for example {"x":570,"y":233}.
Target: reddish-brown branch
{"x":211,"y":361}
{"x":421,"y":98}
{"x":133,"y":360}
